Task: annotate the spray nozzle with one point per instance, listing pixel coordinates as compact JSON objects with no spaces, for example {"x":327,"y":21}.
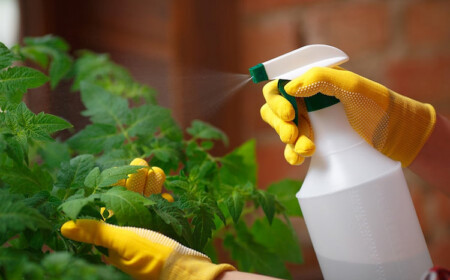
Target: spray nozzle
{"x":295,"y":63}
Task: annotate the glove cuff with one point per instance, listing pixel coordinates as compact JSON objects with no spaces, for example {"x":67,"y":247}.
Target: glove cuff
{"x":192,"y":267}
{"x":410,"y":125}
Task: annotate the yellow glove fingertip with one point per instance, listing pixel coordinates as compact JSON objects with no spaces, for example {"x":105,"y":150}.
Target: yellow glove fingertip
{"x":288,"y":133}
{"x":291,"y":156}
{"x":168,"y":197}
{"x":155,"y":181}
{"x":136,"y":181}
{"x":305,"y":146}
{"x":68,"y":229}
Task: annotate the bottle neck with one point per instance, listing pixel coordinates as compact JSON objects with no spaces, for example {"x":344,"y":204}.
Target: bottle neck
{"x":332,"y":132}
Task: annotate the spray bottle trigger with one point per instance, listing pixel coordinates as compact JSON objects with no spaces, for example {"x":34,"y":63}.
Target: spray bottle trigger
{"x":290,"y":98}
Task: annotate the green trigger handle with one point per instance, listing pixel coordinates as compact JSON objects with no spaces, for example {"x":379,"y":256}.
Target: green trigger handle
{"x":313,"y":103}
{"x":290,"y":98}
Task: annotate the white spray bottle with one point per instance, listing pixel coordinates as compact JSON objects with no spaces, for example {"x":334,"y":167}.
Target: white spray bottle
{"x":355,"y":200}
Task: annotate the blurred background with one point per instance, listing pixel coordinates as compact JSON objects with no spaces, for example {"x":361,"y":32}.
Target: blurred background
{"x":188,"y":49}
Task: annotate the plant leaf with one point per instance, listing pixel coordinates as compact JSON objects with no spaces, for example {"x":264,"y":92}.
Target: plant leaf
{"x":72,"y":207}
{"x":239,"y":166}
{"x":59,"y":67}
{"x":267,"y":202}
{"x":72,"y":174}
{"x":252,"y":256}
{"x":235,"y":205}
{"x":115,"y":158}
{"x":16,"y":216}
{"x":103,"y":107}
{"x":50,"y":123}
{"x":95,"y":138}
{"x":17,"y":80}
{"x":146,"y":119}
{"x":202,"y":130}
{"x":26,"y":181}
{"x":6,"y":56}
{"x":128,"y":207}
{"x":54,"y":153}
{"x":285,"y":192}
{"x":93,"y":178}
{"x":49,"y":41}
{"x":112,"y":175}
{"x":203,"y":222}
{"x":24,"y":124}
{"x":279,"y":238}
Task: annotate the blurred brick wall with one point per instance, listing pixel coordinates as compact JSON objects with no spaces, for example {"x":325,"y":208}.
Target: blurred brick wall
{"x":404,"y":45}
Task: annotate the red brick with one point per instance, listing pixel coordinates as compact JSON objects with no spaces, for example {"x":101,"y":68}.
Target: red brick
{"x":352,"y":27}
{"x":423,"y":79}
{"x":255,"y":6}
{"x":428,"y":23}
{"x":443,"y":207}
{"x":264,"y":40}
{"x":418,"y":196}
{"x":439,"y":252}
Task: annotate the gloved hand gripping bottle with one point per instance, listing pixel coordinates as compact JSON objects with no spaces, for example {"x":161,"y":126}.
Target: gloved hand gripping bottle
{"x":355,"y":200}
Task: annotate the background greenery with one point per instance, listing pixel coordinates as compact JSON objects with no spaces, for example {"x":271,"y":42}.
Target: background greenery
{"x":46,"y":181}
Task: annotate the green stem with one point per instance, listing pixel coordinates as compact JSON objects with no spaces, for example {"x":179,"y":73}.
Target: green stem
{"x":125,"y":134}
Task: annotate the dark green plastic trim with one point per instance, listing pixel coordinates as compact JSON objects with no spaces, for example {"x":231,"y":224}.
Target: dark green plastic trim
{"x":290,"y":98}
{"x":319,"y":101}
{"x":258,"y":73}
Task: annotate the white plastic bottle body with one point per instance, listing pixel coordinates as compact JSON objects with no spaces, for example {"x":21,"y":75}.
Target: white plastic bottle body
{"x":357,"y":207}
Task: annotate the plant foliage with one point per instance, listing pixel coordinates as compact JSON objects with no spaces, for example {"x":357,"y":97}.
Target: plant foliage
{"x":45,"y":182}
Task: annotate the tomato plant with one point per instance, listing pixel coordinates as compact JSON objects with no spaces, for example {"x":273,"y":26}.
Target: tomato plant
{"x":45,"y":181}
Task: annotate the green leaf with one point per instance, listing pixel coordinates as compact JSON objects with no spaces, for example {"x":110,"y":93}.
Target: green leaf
{"x":16,"y":216}
{"x":93,"y":178}
{"x":146,"y":119}
{"x":203,"y":222}
{"x":26,"y":181}
{"x":6,"y":56}
{"x":17,"y":80}
{"x":252,"y":256}
{"x":235,"y":205}
{"x":112,"y":175}
{"x":59,"y":67}
{"x":96,"y":138}
{"x":239,"y":166}
{"x":267,"y":202}
{"x":40,"y":48}
{"x":103,"y":107}
{"x":128,"y":207}
{"x":50,"y":123}
{"x":173,"y":216}
{"x":16,"y":150}
{"x":49,"y":41}
{"x":91,"y":67}
{"x":279,"y":238}
{"x":115,"y":158}
{"x":25,"y":125}
{"x":73,"y":173}
{"x":202,"y":130}
{"x":54,"y":153}
{"x":61,"y":265}
{"x":285,"y":191}
{"x":73,"y":206}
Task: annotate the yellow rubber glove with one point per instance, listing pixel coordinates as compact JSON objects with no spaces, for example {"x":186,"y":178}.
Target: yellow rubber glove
{"x":146,"y":181}
{"x":395,"y":125}
{"x":144,"y":254}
